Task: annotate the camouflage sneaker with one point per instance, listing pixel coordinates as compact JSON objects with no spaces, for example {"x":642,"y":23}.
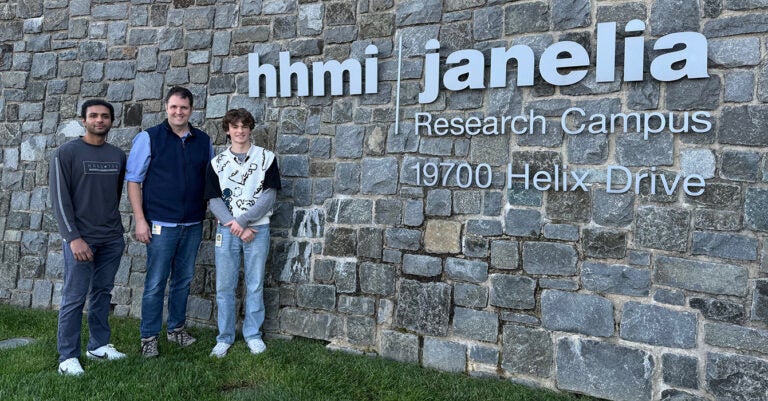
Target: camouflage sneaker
{"x":181,"y":336}
{"x":149,"y":347}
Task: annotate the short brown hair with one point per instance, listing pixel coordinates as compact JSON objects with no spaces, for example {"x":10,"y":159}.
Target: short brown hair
{"x":235,"y":115}
{"x":181,"y":92}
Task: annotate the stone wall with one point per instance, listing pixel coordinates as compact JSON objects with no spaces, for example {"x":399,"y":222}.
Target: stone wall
{"x":624,"y":296}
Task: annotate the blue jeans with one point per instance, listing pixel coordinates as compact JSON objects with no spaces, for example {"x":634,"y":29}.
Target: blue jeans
{"x":228,"y":257}
{"x":170,"y":253}
{"x":95,"y":281}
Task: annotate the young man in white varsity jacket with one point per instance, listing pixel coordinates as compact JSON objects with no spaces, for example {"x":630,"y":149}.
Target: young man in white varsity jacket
{"x":241,"y":186}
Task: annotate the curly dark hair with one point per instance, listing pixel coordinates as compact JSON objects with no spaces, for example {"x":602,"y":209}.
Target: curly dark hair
{"x":235,"y":115}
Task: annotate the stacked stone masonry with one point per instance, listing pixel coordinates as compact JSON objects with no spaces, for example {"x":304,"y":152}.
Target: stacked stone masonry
{"x":630,"y":296}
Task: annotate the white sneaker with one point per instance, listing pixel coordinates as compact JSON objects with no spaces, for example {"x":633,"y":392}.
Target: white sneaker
{"x":105,"y":352}
{"x":257,"y":346}
{"x":220,"y":350}
{"x":71,"y":367}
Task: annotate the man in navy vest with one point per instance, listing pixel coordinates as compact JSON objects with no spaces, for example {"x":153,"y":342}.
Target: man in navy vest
{"x":166,"y":180}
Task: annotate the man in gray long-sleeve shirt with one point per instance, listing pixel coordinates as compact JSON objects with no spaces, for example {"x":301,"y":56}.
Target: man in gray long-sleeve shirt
{"x":86,"y":182}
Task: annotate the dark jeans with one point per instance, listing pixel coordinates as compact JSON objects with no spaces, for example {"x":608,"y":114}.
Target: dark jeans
{"x":95,"y":281}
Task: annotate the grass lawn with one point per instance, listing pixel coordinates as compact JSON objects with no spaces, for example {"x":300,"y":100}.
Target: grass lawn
{"x":289,"y":370}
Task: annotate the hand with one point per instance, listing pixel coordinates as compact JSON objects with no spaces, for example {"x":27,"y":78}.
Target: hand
{"x":248,"y":235}
{"x":143,"y":232}
{"x":234,"y":228}
{"x":81,"y":250}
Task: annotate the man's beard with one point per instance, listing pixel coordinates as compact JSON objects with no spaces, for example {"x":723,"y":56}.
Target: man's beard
{"x":100,"y":132}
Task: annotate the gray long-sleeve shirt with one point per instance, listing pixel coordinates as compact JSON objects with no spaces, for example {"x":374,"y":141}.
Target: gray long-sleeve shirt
{"x":85,"y":184}
{"x":254,"y":213}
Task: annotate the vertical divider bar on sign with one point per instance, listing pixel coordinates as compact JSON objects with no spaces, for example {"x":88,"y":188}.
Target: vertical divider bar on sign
{"x":397,"y":96}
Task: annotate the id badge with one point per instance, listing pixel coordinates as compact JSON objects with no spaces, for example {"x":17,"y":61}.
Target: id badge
{"x":218,"y":240}
{"x":156,"y":229}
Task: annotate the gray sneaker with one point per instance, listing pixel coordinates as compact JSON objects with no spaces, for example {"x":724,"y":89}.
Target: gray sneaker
{"x":149,"y":347}
{"x":181,"y":336}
